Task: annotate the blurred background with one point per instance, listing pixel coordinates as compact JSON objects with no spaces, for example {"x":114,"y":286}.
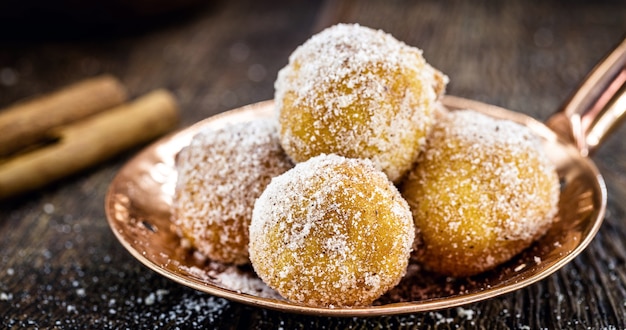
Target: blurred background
{"x":46,"y":44}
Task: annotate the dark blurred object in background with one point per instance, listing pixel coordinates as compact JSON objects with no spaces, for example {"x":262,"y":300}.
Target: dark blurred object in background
{"x":76,"y":19}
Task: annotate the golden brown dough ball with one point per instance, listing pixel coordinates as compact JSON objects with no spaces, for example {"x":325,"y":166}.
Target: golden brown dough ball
{"x":483,"y":192}
{"x":220,"y":175}
{"x":331,"y":232}
{"x":359,"y":93}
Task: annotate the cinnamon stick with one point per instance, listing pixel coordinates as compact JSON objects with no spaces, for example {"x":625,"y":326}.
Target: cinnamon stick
{"x":29,"y":121}
{"x":90,"y":141}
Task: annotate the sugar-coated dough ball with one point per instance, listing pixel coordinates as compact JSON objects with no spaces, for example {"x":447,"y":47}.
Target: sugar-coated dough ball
{"x":359,"y":93}
{"x":331,"y":232}
{"x":483,"y":192}
{"x":220,"y":175}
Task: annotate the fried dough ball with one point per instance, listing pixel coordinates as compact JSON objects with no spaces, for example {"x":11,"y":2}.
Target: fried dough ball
{"x":331,"y":232}
{"x":220,"y":175}
{"x":483,"y":192}
{"x":359,"y":93}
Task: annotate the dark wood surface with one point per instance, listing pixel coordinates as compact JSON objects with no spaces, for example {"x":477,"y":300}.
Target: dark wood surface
{"x":61,"y":266}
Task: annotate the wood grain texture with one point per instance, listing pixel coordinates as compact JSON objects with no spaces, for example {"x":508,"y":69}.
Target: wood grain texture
{"x":61,"y":267}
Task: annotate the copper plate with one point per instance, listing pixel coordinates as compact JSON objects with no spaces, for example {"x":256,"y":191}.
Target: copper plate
{"x":138,"y":209}
{"x":139,"y":199}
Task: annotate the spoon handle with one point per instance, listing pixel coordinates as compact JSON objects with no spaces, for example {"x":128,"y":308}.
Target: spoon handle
{"x":598,"y":105}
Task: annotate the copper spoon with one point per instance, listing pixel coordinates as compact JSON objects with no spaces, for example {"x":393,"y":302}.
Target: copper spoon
{"x":139,"y":199}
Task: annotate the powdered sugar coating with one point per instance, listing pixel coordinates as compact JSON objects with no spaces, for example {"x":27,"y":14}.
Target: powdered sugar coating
{"x":220,"y":175}
{"x":359,"y":93}
{"x":483,"y":191}
{"x":331,"y":232}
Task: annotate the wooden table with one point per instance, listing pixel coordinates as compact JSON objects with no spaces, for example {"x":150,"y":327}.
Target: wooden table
{"x":61,"y":266}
